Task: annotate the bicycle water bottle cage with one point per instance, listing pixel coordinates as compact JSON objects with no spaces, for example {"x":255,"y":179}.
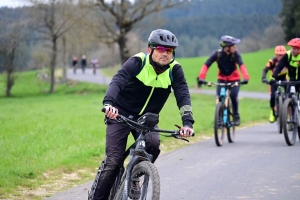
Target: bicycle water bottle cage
{"x":149,"y":119}
{"x":223,"y":91}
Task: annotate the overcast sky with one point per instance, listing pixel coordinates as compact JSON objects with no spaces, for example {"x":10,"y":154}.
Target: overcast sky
{"x":12,"y":3}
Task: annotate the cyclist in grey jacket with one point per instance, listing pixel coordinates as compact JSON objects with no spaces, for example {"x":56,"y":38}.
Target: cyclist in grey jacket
{"x":142,"y":85}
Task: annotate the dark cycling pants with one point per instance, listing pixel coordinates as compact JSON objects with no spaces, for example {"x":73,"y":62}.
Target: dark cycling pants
{"x":233,"y":95}
{"x":116,"y":140}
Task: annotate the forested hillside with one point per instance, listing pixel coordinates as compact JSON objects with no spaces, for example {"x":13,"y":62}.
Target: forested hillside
{"x":198,"y":26}
{"x":202,"y":23}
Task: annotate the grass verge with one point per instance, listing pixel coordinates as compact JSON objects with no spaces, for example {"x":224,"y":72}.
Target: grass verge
{"x":52,"y":142}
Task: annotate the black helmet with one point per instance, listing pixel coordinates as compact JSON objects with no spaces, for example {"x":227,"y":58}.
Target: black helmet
{"x":227,"y":41}
{"x":162,"y":37}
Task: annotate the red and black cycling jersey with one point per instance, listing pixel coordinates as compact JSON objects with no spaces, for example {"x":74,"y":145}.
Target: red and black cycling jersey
{"x":227,"y":65}
{"x":271,"y":65}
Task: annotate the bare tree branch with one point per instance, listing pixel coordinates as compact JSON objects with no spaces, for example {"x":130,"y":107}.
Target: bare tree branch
{"x":118,"y":18}
{"x":53,"y":19}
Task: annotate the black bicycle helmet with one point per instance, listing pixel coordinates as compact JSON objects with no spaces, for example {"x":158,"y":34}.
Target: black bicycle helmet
{"x":228,"y":41}
{"x":162,"y":37}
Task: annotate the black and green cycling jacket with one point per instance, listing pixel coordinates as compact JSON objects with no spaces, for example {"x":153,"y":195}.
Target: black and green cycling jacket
{"x":293,"y":64}
{"x":137,"y":89}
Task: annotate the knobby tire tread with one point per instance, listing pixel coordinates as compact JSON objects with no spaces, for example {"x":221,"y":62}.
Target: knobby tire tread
{"x":143,"y":167}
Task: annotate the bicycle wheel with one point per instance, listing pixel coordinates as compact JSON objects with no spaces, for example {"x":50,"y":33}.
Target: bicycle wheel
{"x":145,"y":174}
{"x":289,"y":124}
{"x":230,"y":126}
{"x":279,"y":114}
{"x":115,"y":187}
{"x":219,"y":126}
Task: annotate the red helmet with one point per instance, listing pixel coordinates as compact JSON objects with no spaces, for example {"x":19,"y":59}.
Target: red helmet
{"x":280,"y":50}
{"x":294,"y":42}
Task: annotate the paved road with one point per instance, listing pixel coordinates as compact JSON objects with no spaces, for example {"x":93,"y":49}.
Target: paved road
{"x":259,"y":165}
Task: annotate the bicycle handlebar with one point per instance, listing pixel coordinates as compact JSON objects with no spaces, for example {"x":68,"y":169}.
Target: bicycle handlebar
{"x":140,"y":127}
{"x":232,"y":84}
{"x":283,"y":83}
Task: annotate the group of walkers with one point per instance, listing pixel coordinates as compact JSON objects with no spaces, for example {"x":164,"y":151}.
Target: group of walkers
{"x":83,"y":63}
{"x":145,"y":81}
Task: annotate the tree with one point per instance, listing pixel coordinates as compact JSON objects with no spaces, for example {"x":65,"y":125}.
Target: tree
{"x":118,"y":17}
{"x":52,"y":19}
{"x":290,"y":15}
{"x":11,"y":37}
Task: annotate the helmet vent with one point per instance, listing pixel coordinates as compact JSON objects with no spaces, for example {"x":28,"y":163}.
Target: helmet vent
{"x":161,"y":38}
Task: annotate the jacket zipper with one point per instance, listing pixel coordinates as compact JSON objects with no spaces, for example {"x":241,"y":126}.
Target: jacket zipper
{"x":147,"y":101}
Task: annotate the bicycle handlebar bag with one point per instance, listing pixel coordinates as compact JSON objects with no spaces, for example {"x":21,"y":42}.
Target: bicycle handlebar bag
{"x":149,"y":119}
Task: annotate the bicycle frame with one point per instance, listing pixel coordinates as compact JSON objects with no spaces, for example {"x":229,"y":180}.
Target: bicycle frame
{"x":137,"y":153}
{"x":224,"y":98}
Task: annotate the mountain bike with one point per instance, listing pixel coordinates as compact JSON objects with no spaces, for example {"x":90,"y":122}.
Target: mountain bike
{"x":140,"y":179}
{"x":224,"y":118}
{"x":291,"y":115}
{"x":279,"y":99}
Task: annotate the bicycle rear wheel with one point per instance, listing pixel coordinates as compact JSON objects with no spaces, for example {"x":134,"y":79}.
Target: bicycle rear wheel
{"x":219,"y":126}
{"x":230,"y":127}
{"x":279,"y":114}
{"x":146,"y":174}
{"x":290,"y":128}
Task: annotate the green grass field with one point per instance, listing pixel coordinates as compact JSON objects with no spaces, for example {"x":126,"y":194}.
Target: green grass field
{"x":46,"y":138}
{"x":254,"y":61}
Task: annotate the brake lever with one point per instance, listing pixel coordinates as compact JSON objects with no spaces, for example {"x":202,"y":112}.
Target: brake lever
{"x":181,"y":138}
{"x":178,"y":136}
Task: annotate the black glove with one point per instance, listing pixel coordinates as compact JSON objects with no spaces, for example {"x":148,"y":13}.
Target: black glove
{"x":272,"y":81}
{"x":245,"y":82}
{"x":264,"y":80}
{"x":200,"y":81}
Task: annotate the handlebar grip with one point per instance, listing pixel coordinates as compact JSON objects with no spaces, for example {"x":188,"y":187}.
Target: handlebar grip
{"x":103,"y":110}
{"x":243,"y":82}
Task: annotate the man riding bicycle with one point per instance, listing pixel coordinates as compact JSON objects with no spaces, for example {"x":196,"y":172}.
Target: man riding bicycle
{"x":271,"y":65}
{"x":291,"y":60}
{"x":142,"y":85}
{"x":227,"y":59}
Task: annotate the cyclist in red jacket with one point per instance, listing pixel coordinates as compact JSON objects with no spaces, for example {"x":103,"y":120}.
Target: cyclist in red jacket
{"x":227,"y":59}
